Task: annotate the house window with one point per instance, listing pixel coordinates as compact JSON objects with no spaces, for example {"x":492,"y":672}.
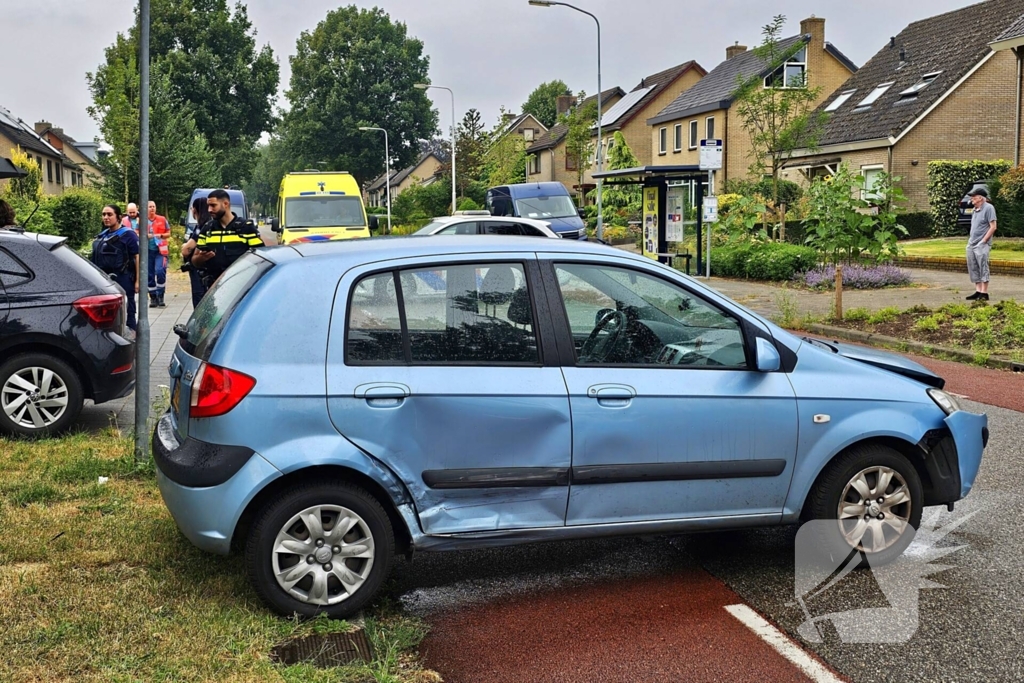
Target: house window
{"x":570,"y":162}
{"x":678,"y":138}
{"x":693,"y":135}
{"x":792,"y":74}
{"x":49,"y":171}
{"x":528,"y":134}
{"x":60,"y":174}
{"x":840,"y":101}
{"x":925,"y":81}
{"x":709,"y":128}
{"x":535,"y":163}
{"x":872,"y":176}
{"x":662,"y":140}
{"x":873,"y":96}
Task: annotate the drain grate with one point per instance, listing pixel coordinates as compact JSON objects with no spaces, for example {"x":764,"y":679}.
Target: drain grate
{"x":331,"y":649}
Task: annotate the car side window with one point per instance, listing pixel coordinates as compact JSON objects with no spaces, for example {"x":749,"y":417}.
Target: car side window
{"x":12,"y":271}
{"x":501,"y":228}
{"x":621,"y":316}
{"x":473,"y":313}
{"x":531,"y":231}
{"x":465,"y":228}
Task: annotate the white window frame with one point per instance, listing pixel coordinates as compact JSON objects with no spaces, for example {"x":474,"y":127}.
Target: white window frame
{"x":841,"y":100}
{"x":874,"y":95}
{"x":867,"y":194}
{"x":662,"y":141}
{"x":709,"y":128}
{"x":920,"y":85}
{"x":789,"y":62}
{"x":677,"y":138}
{"x":694,"y":133}
{"x":534,"y":164}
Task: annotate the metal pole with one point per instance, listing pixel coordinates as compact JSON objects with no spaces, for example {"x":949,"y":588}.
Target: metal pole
{"x":600,"y":156}
{"x":711,"y":226}
{"x":454,"y":206}
{"x":142,"y":333}
{"x":387,"y":173}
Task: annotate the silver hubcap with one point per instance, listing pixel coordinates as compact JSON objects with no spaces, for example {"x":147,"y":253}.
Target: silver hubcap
{"x":323,"y":554}
{"x":874,"y":511}
{"x":34,"y":397}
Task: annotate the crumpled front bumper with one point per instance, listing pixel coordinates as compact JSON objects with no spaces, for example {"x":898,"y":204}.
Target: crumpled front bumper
{"x":970,"y":433}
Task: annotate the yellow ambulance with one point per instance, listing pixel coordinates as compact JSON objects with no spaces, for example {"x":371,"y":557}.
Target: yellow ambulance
{"x":318,"y":206}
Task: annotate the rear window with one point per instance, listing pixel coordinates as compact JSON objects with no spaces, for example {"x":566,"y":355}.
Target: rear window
{"x":208,"y":320}
{"x":72,"y":260}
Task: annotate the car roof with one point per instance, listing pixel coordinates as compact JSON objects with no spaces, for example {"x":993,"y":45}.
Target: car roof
{"x":368,"y":250}
{"x":48,"y":241}
{"x":485,"y":217}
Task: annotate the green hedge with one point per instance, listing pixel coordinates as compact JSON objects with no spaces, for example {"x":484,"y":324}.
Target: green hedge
{"x":762,"y":261}
{"x":947,"y":183}
{"x":919,"y":224}
{"x":76,"y":215}
{"x":376,"y":211}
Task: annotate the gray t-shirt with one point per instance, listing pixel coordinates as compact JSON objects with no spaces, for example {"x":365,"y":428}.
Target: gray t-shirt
{"x":981,"y":219}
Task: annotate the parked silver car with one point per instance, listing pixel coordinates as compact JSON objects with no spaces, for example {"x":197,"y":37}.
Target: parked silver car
{"x":482,"y":223}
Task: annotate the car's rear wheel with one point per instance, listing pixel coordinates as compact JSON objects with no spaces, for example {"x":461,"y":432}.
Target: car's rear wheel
{"x":320,"y":548}
{"x":870,"y":498}
{"x":39,"y":395}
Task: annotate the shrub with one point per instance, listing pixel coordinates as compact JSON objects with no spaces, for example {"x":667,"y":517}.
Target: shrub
{"x":947,"y":183}
{"x":856,"y":277}
{"x":1012,"y":185}
{"x":76,"y":215}
{"x":919,"y":224}
{"x":376,"y":210}
{"x":856,"y":315}
{"x":761,"y":261}
{"x":789,"y":192}
{"x":467,"y":204}
{"x":884,"y":315}
{"x":930,"y":323}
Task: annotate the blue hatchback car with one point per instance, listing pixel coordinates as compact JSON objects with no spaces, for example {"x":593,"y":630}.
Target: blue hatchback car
{"x":335,"y":404}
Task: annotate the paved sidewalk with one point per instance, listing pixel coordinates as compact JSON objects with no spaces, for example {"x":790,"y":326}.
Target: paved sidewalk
{"x":121,"y":413}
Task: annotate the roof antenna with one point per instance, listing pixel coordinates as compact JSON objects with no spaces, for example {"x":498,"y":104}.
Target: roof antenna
{"x":892,"y":42}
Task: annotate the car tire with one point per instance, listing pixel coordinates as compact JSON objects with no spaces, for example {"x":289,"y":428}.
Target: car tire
{"x":859,"y":470}
{"x":42,"y":381}
{"x":294,"y":573}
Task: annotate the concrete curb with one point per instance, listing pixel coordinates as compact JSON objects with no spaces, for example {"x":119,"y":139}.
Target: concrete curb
{"x":884,"y":341}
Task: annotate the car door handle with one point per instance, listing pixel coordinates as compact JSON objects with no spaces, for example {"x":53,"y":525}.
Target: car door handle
{"x":612,"y":395}
{"x":382,"y":390}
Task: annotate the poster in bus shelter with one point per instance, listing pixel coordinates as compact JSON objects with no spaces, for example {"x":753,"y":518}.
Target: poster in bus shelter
{"x":674,"y":212}
{"x":651,"y":222}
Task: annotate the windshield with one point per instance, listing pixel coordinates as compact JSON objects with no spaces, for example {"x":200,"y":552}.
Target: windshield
{"x":546,"y":207}
{"x":430,"y":227}
{"x":323,"y":211}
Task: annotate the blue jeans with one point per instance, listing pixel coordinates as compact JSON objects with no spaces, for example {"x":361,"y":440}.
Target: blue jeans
{"x":127,"y":283}
{"x":157,"y":273}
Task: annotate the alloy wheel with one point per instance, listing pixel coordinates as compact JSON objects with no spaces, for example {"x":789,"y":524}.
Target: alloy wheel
{"x":323,"y":554}
{"x":875,"y":509}
{"x":34,"y":397}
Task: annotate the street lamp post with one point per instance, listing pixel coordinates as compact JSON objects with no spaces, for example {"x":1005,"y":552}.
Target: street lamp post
{"x":600,"y":155}
{"x":426,"y":86}
{"x":387,"y":168}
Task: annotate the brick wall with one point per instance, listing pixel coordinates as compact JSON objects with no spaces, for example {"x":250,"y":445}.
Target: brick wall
{"x":50,"y":187}
{"x":959,"y":265}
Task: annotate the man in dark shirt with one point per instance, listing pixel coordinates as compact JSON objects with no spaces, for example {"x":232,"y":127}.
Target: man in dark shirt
{"x":225,"y":239}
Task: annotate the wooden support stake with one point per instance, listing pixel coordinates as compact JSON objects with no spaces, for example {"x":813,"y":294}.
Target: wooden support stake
{"x":839,"y":291}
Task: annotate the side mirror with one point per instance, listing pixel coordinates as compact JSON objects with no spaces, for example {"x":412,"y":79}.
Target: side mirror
{"x":768,"y":358}
{"x":274,"y":225}
{"x":373,"y":221}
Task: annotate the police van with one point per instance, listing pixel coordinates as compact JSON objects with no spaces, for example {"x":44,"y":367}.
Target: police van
{"x":318,"y":206}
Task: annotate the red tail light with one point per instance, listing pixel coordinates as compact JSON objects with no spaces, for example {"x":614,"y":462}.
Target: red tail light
{"x":101,"y":311}
{"x":216,"y":390}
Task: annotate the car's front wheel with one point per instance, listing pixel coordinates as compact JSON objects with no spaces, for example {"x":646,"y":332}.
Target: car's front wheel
{"x":868,"y":501}
{"x":40,"y":395}
{"x":322,"y":547}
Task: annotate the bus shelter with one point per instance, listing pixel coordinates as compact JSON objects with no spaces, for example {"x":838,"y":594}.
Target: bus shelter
{"x":670,"y":193}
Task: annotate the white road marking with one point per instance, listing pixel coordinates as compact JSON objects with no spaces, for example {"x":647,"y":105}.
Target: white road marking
{"x":782,"y":644}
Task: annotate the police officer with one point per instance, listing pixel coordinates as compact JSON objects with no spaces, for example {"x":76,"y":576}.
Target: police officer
{"x":201,"y":215}
{"x":115,"y":251}
{"x":224,"y":239}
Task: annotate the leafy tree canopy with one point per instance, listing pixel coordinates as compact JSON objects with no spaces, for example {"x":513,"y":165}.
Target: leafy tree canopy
{"x":543,"y":101}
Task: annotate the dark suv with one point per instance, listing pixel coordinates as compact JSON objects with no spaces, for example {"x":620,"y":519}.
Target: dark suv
{"x":62,"y":335}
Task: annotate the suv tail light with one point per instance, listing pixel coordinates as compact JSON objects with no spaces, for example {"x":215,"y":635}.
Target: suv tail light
{"x":101,"y":310}
{"x":217,"y":390}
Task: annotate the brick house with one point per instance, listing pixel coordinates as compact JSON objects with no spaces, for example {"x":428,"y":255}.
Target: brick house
{"x":15,"y":133}
{"x":80,"y":170}
{"x":547,"y":158}
{"x":706,"y":112}
{"x":947,"y":87}
{"x":423,"y":172}
{"x":525,"y":126}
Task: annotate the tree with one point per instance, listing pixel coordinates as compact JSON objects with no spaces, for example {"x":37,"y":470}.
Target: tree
{"x":208,"y":52}
{"x":28,"y":187}
{"x":470,"y":151}
{"x":622,"y":202}
{"x":115,"y":107}
{"x":505,"y":156}
{"x":357,"y":68}
{"x":777,"y":110}
{"x":543,"y":101}
{"x":271,"y":165}
{"x":579,"y":139}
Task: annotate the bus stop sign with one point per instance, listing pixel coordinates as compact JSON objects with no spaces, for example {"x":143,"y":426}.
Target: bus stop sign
{"x":710,"y":155}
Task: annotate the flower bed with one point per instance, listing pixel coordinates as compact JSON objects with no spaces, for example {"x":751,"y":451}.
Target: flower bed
{"x":855,"y":277}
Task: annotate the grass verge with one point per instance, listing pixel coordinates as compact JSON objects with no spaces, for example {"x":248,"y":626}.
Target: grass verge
{"x":1003,"y":249}
{"x":97,"y":584}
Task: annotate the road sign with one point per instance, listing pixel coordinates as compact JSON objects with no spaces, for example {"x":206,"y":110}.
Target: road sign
{"x":710,"y":155}
{"x":711,"y":209}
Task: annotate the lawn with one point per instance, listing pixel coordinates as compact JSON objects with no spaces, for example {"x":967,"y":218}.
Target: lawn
{"x":97,"y":584}
{"x":1004,"y":249}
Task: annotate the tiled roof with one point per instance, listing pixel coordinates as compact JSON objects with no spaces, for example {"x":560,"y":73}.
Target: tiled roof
{"x":1014,"y":32}
{"x":952,"y":43}
{"x":558,"y":131}
{"x":715,"y":90}
{"x":22,"y":135}
{"x":654,"y":84}
{"x":398,"y":176}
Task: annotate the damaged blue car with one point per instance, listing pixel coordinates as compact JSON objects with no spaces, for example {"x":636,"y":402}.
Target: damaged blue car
{"x":335,"y":404}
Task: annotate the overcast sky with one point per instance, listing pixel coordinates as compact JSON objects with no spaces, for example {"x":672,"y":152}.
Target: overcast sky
{"x":490,"y":52}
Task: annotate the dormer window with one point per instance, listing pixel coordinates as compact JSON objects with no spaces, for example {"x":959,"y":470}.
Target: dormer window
{"x":913,"y":90}
{"x":840,"y":101}
{"x":873,"y":96}
{"x":792,"y":74}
